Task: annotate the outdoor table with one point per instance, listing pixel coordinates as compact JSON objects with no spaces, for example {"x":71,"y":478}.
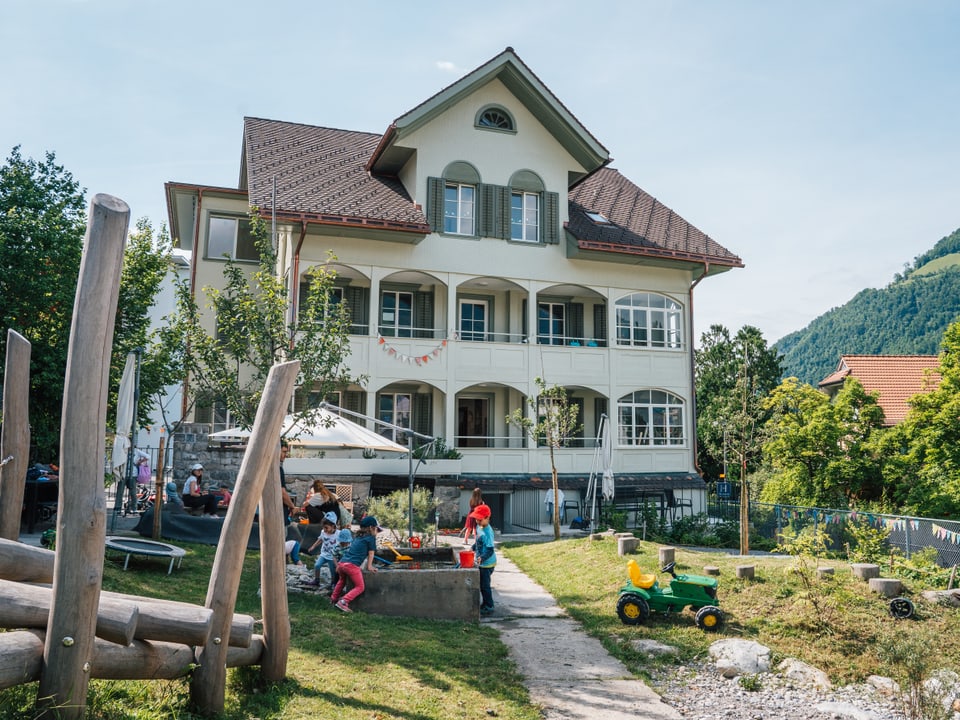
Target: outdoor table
{"x":137,"y":546}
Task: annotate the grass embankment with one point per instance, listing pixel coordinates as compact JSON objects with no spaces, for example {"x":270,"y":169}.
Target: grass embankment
{"x":362,"y":666}
{"x":835,"y":624}
{"x":348,"y":667}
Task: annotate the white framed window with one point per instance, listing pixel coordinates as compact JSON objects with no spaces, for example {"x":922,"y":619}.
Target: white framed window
{"x":394,"y":408}
{"x":551,"y":326}
{"x":474,"y":316}
{"x":651,"y":418}
{"x":396,"y":313}
{"x":648,"y":320}
{"x":525,"y":216}
{"x":230,"y":237}
{"x":459,"y":203}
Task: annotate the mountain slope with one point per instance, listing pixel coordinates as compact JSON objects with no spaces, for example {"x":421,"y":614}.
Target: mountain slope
{"x":907,"y":317}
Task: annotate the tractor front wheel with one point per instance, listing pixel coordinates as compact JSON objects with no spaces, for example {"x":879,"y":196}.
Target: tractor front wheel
{"x":710,"y":618}
{"x":632,"y":609}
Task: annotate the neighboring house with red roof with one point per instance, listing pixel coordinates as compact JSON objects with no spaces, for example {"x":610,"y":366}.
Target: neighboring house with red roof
{"x":895,"y":379}
{"x":482,"y":241}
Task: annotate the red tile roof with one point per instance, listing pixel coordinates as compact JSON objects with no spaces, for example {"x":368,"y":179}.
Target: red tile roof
{"x":320,"y":172}
{"x":896,"y":378}
{"x":639,"y":223}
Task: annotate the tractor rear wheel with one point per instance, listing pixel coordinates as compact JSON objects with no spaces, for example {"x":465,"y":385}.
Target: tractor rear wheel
{"x":632,"y":609}
{"x":710,"y":618}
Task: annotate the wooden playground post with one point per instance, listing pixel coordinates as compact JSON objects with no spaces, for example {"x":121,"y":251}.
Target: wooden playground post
{"x":15,"y":436}
{"x":158,"y":492}
{"x":273,"y":577}
{"x":81,"y":518}
{"x":208,"y":685}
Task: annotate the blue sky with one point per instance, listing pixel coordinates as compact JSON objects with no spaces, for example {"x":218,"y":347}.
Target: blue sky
{"x":817,"y":140}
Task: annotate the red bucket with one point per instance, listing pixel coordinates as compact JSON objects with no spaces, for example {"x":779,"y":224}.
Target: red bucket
{"x":466,"y":558}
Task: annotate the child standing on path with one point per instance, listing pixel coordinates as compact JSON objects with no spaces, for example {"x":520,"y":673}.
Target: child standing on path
{"x":327,"y":540}
{"x":362,"y":548}
{"x":486,"y":557}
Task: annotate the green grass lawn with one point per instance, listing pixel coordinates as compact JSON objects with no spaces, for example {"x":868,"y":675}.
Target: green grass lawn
{"x":363,"y":666}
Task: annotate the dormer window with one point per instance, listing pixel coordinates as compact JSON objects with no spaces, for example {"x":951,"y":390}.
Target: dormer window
{"x":494,"y":117}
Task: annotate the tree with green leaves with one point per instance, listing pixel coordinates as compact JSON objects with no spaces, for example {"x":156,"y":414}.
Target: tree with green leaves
{"x":732,"y":376}
{"x":43,"y":218}
{"x":822,"y":451}
{"x":42,"y":224}
{"x":556,"y":423}
{"x":253,"y":332}
{"x":925,"y":479}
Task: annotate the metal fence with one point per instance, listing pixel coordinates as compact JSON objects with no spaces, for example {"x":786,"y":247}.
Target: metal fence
{"x":908,"y":534}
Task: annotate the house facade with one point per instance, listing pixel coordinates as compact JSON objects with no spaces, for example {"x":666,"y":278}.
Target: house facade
{"x":895,"y":379}
{"x":483,"y":241}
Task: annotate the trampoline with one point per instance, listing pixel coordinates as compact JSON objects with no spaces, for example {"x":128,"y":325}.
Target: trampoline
{"x":136,"y":546}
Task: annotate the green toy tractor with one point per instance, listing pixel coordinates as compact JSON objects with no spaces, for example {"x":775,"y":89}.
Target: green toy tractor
{"x":643,"y":593}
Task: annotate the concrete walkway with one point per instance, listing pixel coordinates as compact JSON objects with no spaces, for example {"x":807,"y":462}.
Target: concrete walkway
{"x":568,"y":673}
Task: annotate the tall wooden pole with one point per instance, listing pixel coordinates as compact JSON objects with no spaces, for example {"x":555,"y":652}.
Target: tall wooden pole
{"x":15,"y":442}
{"x":158,"y":492}
{"x":81,"y":518}
{"x":208,"y":685}
{"x":273,"y":578}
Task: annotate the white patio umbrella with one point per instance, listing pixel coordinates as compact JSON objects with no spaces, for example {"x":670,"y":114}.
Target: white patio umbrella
{"x":606,"y":461}
{"x":121,"y":442}
{"x":325,"y":431}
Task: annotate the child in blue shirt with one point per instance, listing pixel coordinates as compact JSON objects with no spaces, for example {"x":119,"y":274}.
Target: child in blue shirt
{"x":486,"y":556}
{"x":328,"y":542}
{"x":361,"y":549}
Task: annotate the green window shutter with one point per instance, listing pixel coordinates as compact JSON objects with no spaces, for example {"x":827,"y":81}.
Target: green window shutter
{"x":358,"y":301}
{"x":486,"y":225}
{"x":574,"y":329}
{"x":551,"y":218}
{"x":600,"y":324}
{"x":435,"y":187}
{"x":422,"y":406}
{"x":423,"y":314}
{"x":503,"y":212}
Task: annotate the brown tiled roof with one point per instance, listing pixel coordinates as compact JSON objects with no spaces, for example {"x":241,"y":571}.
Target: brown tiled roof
{"x":896,"y":378}
{"x":320,"y":172}
{"x":639,"y":223}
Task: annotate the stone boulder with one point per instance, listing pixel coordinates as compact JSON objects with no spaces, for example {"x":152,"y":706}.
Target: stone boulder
{"x":804,"y":674}
{"x":735,"y":657}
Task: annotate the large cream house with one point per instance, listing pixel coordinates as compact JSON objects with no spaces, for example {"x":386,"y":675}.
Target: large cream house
{"x":482,"y":241}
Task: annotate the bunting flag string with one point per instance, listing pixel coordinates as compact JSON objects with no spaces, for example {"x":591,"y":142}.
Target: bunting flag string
{"x":944,"y":534}
{"x":392,"y":351}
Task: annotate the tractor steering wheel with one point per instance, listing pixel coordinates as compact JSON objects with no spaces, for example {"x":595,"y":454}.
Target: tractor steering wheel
{"x":668,"y":568}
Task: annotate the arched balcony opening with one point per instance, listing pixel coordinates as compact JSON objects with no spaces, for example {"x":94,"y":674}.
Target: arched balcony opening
{"x":491,"y":309}
{"x":571,"y":315}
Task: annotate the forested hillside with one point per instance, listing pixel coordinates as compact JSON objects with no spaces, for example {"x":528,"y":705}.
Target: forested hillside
{"x":908,"y":317}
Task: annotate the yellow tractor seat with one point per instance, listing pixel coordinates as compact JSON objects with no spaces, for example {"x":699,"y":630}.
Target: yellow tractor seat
{"x":638,"y":578}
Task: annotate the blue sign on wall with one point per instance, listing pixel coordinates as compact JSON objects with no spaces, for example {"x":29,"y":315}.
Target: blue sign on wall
{"x":723,"y":489}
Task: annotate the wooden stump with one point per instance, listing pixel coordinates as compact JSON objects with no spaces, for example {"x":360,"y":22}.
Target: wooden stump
{"x":865,"y":571}
{"x":667,"y":555}
{"x":745,"y":572}
{"x":888,"y":587}
{"x":627,"y":545}
{"x":711,"y":570}
{"x":15,"y":434}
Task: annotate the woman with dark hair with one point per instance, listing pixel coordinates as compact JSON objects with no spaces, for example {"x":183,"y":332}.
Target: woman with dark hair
{"x":470,"y":525}
{"x":319,"y":502}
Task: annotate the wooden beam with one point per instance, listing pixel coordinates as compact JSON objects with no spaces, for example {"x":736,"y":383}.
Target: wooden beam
{"x":15,"y":436}
{"x":208,"y":685}
{"x":81,"y":518}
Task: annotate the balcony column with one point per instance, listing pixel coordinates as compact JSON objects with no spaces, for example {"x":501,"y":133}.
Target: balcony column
{"x":453,"y":350}
{"x":374,"y":319}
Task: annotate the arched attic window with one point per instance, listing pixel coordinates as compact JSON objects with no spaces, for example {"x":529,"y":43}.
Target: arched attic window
{"x":494,"y":117}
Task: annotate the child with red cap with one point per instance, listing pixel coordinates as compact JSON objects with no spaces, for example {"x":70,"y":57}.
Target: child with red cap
{"x":486,"y":557}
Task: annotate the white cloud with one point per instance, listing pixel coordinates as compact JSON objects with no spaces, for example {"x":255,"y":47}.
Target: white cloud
{"x":447,"y":66}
